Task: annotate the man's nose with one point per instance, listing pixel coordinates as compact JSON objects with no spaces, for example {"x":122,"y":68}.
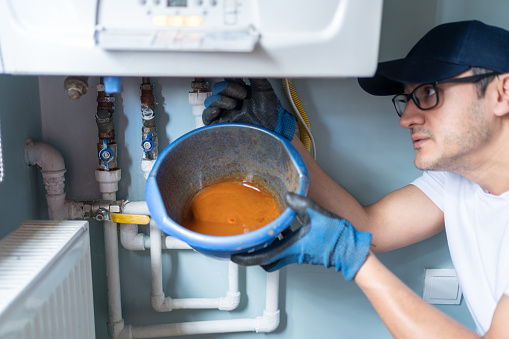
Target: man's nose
{"x":411,"y":116}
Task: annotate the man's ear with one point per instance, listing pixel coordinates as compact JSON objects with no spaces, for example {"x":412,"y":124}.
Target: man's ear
{"x":502,"y":105}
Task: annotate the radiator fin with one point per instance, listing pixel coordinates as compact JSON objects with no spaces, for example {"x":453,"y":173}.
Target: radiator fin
{"x":46,"y":281}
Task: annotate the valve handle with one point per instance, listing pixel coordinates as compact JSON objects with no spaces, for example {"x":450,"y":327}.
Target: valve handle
{"x":129,"y":218}
{"x":106,"y":154}
{"x":147,"y":145}
{"x":120,"y":218}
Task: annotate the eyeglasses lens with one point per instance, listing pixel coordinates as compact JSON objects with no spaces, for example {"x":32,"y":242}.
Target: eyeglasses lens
{"x":399,"y":103}
{"x":424,"y":96}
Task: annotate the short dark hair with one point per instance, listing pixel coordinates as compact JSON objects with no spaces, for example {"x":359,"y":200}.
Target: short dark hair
{"x":483,"y":83}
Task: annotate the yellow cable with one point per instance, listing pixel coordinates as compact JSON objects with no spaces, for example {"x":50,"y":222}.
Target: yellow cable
{"x":304,"y":137}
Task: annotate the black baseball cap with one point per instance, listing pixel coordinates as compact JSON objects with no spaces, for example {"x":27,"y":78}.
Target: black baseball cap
{"x":445,"y":51}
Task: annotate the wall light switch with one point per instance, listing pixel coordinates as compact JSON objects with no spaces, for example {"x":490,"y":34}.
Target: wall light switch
{"x":441,"y":287}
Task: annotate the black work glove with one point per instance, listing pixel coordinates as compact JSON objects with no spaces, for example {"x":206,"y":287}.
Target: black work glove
{"x":257,"y":104}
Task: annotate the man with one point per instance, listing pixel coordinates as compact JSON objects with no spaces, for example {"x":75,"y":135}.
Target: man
{"x":452,"y":92}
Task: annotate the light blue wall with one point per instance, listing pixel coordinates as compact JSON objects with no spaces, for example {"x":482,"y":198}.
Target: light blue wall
{"x":359,"y":142}
{"x":21,"y":192}
{"x":492,"y":12}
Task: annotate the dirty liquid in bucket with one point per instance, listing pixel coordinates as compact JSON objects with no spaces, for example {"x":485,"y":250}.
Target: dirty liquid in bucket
{"x":230,"y":208}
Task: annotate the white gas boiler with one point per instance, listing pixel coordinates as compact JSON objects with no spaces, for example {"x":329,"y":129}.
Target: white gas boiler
{"x":206,"y":38}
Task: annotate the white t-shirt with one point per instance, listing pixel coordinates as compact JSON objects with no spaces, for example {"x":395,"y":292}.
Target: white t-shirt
{"x":477,"y":228}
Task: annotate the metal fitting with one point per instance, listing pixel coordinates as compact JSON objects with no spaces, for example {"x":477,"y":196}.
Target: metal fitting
{"x":147,"y":113}
{"x":102,"y":215}
{"x":76,"y":87}
{"x":199,"y":85}
{"x":100,"y":209}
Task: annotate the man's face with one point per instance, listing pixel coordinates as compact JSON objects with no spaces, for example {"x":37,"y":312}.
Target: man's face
{"x":451,"y":136}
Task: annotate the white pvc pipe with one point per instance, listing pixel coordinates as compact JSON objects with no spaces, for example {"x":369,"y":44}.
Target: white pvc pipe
{"x":132,"y":240}
{"x":140,"y":207}
{"x":271,"y":315}
{"x":44,"y":155}
{"x":112,"y":271}
{"x":160,"y":303}
{"x":52,"y":165}
{"x":146,"y":167}
{"x":172,"y":243}
{"x":196,"y":327}
{"x":197,"y":99}
{"x":268,"y":322}
{"x":157,"y":296}
{"x":108,"y":185}
{"x":136,"y":207}
{"x":272,"y":294}
{"x":232,"y":299}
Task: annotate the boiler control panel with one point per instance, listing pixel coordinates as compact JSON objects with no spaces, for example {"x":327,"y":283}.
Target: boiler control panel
{"x":180,"y":25}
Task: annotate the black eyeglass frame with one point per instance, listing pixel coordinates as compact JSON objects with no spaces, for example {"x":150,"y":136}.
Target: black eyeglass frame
{"x":469,"y":79}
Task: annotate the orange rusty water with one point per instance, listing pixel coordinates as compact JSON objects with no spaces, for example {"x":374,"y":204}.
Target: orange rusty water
{"x":230,"y":208}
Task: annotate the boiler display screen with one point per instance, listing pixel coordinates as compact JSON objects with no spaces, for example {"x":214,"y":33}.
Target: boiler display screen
{"x":177,"y":3}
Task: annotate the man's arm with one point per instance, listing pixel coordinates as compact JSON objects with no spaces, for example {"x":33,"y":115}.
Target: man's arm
{"x":499,"y":327}
{"x":401,"y":218}
{"x":408,"y":316}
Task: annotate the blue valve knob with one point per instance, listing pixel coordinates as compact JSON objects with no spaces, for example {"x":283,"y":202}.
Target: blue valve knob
{"x":147,"y":144}
{"x":112,"y":85}
{"x":106,"y":154}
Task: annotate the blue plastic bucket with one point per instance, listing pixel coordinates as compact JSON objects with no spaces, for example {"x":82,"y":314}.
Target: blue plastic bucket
{"x":217,"y":153}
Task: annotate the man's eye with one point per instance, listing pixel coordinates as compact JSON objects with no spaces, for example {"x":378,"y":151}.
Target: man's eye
{"x":428,"y":90}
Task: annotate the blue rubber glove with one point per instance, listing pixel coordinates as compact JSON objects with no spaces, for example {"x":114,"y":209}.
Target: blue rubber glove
{"x":234,"y":101}
{"x":324,"y":239}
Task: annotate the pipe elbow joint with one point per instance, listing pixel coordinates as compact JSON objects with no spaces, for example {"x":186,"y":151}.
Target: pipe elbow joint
{"x":115,"y":329}
{"x":52,"y":165}
{"x":130,"y":238}
{"x":269,"y":322}
{"x":160,"y":303}
{"x":230,"y":302}
{"x":126,"y":332}
{"x":47,"y":157}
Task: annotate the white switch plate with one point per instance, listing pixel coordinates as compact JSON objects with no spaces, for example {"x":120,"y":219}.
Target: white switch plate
{"x":441,"y":286}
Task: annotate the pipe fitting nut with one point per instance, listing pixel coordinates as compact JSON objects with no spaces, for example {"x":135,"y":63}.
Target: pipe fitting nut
{"x":103,"y":116}
{"x":102,"y":215}
{"x":76,"y":87}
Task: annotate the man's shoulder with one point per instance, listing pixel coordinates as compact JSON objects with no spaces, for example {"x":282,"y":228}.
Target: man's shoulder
{"x":446,"y":179}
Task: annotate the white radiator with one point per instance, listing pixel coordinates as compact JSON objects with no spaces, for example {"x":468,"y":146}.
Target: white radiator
{"x":46,"y":281}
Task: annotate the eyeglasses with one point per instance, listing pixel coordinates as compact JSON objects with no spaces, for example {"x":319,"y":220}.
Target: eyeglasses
{"x":426,"y":96}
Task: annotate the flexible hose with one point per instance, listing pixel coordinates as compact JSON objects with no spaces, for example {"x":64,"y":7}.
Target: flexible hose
{"x":292,"y":95}
{"x":304,"y":128}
